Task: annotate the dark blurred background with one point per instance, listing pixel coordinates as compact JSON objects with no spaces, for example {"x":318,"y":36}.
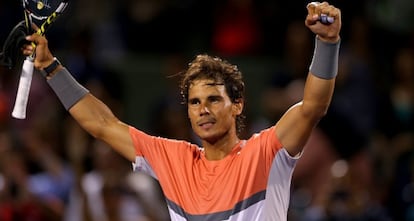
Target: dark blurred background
{"x":358,"y":164}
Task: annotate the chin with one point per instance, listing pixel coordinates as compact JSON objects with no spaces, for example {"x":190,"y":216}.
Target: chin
{"x":209,"y":136}
{"x":205,"y":136}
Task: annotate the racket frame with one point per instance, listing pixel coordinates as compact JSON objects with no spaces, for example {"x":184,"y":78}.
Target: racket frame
{"x":23,"y":90}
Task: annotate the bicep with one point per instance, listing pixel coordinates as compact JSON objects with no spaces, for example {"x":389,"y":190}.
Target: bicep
{"x":296,"y":125}
{"x":294,"y":128}
{"x":99,"y":121}
{"x":117,"y":136}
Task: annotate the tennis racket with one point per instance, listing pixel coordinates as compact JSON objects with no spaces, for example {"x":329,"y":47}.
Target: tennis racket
{"x":42,"y":13}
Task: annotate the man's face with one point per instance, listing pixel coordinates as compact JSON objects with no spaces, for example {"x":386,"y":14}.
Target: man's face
{"x":211,"y":112}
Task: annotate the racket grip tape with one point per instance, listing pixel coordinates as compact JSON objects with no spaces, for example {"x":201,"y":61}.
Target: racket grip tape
{"x":22,"y":97}
{"x":325,"y":19}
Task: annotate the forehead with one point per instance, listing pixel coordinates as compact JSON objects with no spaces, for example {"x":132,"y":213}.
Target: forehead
{"x":205,"y":86}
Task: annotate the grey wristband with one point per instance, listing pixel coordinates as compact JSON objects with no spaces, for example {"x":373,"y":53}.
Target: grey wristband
{"x":68,"y":90}
{"x":325,"y":59}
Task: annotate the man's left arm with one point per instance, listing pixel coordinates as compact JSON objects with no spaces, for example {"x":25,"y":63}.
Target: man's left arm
{"x":296,"y":125}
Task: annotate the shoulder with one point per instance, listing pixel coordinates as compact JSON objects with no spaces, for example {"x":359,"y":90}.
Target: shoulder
{"x":144,"y":140}
{"x":266,"y":137}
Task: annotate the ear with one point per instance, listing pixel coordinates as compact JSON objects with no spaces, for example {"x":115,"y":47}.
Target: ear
{"x":238,"y":106}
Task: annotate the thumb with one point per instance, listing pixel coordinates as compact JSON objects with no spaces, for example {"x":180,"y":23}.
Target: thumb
{"x":311,"y":19}
{"x":37,"y":39}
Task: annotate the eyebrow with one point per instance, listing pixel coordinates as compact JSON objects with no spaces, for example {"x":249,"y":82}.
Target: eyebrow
{"x":214,"y":84}
{"x":192,"y":100}
{"x":208,"y":97}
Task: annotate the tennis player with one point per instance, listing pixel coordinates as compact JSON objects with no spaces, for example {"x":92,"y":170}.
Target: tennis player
{"x":227,"y":178}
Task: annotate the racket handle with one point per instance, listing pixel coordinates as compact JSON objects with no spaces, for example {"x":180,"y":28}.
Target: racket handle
{"x":19,"y":110}
{"x":325,"y":19}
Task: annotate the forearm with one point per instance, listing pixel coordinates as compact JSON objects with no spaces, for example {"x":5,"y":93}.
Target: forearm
{"x":321,"y":78}
{"x":88,"y":111}
{"x":93,"y":115}
{"x":295,"y":126}
{"x":317,"y":96}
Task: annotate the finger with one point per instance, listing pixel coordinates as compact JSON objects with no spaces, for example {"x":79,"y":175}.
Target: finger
{"x":324,"y":9}
{"x":312,"y":16}
{"x":322,"y":12}
{"x":36,"y":38}
{"x":28,"y":47}
{"x":35,"y":28}
{"x":320,"y":8}
{"x":331,"y":11}
{"x":312,"y":8}
{"x":329,"y":14}
{"x":27,"y":52}
{"x":326,"y":19}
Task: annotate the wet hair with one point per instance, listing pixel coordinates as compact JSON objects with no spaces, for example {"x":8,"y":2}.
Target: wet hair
{"x":205,"y":67}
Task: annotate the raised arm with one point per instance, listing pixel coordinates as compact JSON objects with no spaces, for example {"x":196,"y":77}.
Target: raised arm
{"x":296,"y":125}
{"x":92,"y":114}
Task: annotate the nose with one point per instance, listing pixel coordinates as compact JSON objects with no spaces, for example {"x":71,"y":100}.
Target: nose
{"x":204,"y":109}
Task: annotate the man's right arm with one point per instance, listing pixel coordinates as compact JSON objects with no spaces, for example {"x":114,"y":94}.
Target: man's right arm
{"x":99,"y":121}
{"x":91,"y":113}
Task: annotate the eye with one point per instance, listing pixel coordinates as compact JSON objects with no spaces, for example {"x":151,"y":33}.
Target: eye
{"x":214,"y":99}
{"x":194,"y":102}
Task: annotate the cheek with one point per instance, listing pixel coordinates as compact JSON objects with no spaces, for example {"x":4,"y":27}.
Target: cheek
{"x":190,"y":115}
{"x":226,"y":115}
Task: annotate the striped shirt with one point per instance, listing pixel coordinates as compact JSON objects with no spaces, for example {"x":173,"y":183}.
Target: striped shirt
{"x":251,"y":183}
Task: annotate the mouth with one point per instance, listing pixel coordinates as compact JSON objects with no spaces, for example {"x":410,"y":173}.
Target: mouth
{"x":206,"y":124}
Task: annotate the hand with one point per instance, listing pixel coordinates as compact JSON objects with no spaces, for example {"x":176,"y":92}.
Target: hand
{"x":43,"y":56}
{"x":325,"y":32}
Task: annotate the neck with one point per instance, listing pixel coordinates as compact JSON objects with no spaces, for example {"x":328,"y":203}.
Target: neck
{"x":219,"y":149}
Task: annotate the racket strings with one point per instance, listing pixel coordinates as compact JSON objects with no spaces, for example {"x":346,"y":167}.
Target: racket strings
{"x":47,"y":21}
